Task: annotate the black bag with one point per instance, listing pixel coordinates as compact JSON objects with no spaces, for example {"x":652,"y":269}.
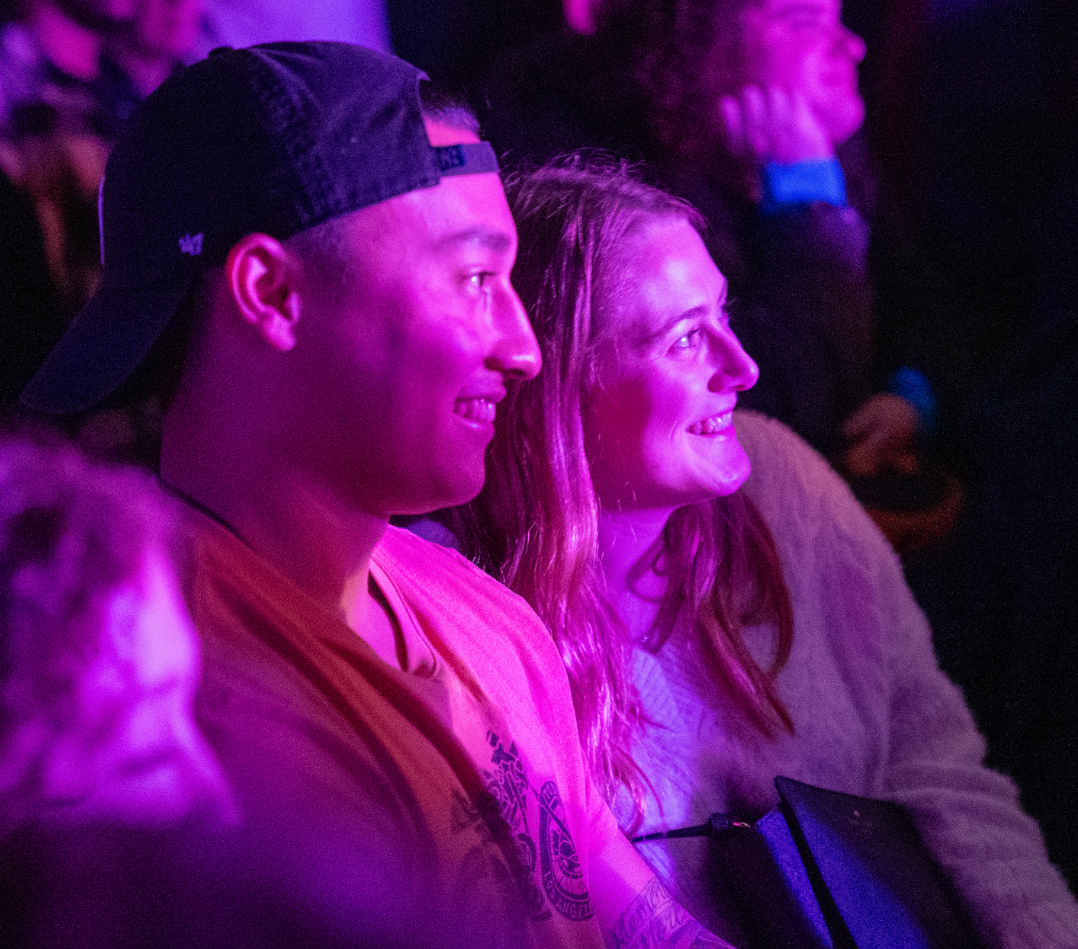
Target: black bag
{"x":827,"y":870}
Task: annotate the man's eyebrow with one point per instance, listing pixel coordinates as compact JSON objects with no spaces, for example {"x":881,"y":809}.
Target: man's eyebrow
{"x":498,"y":241}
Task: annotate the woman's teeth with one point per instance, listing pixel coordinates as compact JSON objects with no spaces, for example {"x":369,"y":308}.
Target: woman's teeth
{"x":476,"y":410}
{"x":710,"y":426}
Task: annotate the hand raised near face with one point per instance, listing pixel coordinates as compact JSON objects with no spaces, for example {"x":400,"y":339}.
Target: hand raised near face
{"x":881,"y":436}
{"x":772,"y":124}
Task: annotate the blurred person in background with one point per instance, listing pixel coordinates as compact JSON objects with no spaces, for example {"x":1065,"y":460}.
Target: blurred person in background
{"x":241,"y":23}
{"x":54,"y":69}
{"x":753,"y":141}
{"x":63,"y":102}
{"x":160,"y":38}
{"x":117,"y":827}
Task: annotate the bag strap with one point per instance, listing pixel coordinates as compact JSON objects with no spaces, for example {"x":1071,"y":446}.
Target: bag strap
{"x":717,"y":822}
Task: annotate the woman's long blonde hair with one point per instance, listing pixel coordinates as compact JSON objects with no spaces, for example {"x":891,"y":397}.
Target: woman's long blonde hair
{"x":535,"y":525}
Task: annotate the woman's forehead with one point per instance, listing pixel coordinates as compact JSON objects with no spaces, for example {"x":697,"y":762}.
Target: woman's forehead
{"x":660,"y":269}
{"x":782,"y":9}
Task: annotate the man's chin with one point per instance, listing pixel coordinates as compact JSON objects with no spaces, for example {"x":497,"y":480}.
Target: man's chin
{"x":460,"y":497}
{"x":438,"y":498}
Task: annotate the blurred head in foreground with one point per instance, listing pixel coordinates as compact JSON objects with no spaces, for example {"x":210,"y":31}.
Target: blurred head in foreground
{"x":99,"y":662}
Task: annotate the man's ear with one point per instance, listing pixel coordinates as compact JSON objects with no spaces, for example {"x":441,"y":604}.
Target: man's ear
{"x":263,"y":278}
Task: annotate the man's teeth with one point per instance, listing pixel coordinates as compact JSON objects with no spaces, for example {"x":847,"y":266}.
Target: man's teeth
{"x":476,"y":410}
{"x":711,"y":425}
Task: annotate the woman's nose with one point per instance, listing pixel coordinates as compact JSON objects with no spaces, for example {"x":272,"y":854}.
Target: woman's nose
{"x":736,"y":369}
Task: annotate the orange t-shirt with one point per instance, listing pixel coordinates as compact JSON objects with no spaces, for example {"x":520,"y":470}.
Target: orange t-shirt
{"x":460,"y":784}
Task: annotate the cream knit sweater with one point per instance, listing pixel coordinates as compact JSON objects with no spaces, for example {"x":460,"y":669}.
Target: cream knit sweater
{"x":874,"y":714}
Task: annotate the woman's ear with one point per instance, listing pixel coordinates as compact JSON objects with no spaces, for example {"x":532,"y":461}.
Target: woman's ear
{"x":263,"y":278}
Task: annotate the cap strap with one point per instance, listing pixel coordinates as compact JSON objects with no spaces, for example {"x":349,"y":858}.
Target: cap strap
{"x":468,"y":158}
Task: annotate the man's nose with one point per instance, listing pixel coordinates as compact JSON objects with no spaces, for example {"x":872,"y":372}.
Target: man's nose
{"x":516,"y":352}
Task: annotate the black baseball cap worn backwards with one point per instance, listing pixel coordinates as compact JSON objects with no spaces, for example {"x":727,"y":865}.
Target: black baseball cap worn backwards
{"x":274,"y":139}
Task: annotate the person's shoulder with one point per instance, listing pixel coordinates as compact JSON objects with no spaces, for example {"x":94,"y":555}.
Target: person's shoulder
{"x":780,"y":457}
{"x":432,"y":570}
{"x":432,"y":567}
{"x":445,"y":588}
{"x":427,"y":550}
{"x":794,"y":487}
{"x":236,"y":597}
{"x":204,"y":546}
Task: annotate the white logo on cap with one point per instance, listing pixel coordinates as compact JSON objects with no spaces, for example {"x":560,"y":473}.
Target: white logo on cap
{"x":191,"y":244}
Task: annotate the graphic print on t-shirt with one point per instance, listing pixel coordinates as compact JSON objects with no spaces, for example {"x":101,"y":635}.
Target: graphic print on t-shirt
{"x":485,"y":882}
{"x":558,"y":862}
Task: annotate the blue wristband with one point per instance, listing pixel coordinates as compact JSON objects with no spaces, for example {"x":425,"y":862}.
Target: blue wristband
{"x":802,"y":183}
{"x":917,"y":390}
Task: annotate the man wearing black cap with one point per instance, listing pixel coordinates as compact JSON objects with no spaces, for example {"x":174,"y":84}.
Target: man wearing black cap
{"x":332,"y":259}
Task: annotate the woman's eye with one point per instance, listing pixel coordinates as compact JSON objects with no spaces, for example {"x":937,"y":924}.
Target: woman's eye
{"x":689,"y":341}
{"x":478,"y":281}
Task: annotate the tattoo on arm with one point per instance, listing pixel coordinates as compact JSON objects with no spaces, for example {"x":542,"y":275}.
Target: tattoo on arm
{"x":654,"y":919}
